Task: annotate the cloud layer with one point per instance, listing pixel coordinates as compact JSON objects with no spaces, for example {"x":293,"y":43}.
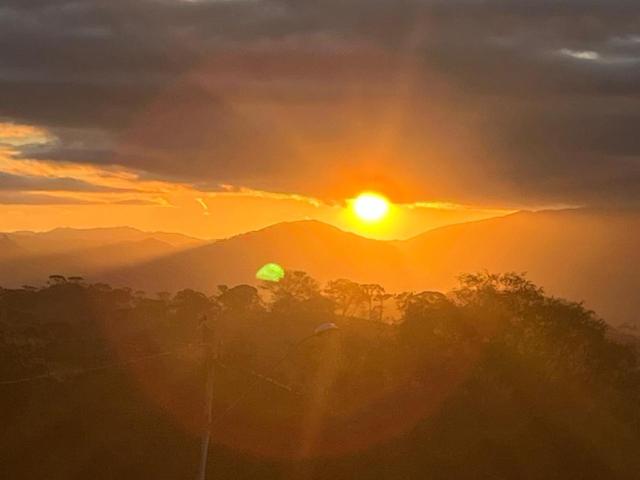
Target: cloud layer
{"x":489,"y":102}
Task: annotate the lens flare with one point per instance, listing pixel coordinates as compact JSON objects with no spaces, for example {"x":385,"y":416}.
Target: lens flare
{"x":271,"y":272}
{"x":370,"y":207}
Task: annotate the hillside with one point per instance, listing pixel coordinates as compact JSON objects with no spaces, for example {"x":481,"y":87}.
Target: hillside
{"x":69,"y":239}
{"x":325,"y":251}
{"x":30,"y":257}
{"x":584,"y":255}
{"x":8,"y":247}
{"x":579,"y":254}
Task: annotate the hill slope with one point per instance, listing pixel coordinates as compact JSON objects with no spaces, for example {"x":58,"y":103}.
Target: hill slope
{"x":70,"y":239}
{"x":324,"y":251}
{"x":583,"y":255}
{"x":578,"y":254}
{"x":29,"y":257}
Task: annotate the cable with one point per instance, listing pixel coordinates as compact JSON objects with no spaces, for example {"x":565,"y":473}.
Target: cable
{"x":265,"y":378}
{"x":215,"y":421}
{"x":43,"y":376}
{"x":25,"y":379}
{"x":94,"y":369}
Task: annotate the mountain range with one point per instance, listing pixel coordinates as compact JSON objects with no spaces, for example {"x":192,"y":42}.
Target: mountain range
{"x":580,"y":254}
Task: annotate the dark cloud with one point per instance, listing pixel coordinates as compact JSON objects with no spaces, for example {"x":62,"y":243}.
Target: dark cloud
{"x":16,"y":183}
{"x":20,"y":198}
{"x":518,"y":101}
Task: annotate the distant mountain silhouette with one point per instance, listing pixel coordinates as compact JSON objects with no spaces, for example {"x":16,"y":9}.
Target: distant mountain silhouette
{"x":323,"y":250}
{"x":30,"y":257}
{"x":69,"y":239}
{"x":9,"y":248}
{"x":587,"y":255}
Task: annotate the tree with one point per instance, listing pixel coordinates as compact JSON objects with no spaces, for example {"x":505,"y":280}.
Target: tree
{"x":455,"y":398}
{"x":382,"y":298}
{"x":295,"y":288}
{"x":373,"y":293}
{"x":164,"y":297}
{"x":348,"y":296}
{"x":432,"y":320}
{"x":239,"y":298}
{"x":476,"y":288}
{"x":190,"y":304}
{"x":57,"y":279}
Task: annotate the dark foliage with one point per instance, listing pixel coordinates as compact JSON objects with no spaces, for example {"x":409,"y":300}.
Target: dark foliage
{"x":493,"y":380}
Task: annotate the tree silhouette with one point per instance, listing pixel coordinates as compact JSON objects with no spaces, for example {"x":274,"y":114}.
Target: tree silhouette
{"x":373,"y":293}
{"x":57,"y":279}
{"x":239,"y":299}
{"x":494,"y":379}
{"x":292,"y":291}
{"x":348,"y":296}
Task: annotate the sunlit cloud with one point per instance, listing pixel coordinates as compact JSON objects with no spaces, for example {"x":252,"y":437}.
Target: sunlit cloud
{"x":119,"y":195}
{"x":15,"y":134}
{"x":436,"y":205}
{"x":580,"y":54}
{"x":125,"y":196}
{"x":229,"y":190}
{"x":610,"y":59}
{"x":204,"y":205}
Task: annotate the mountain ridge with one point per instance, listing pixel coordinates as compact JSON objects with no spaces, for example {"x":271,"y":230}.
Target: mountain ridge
{"x":580,"y":254}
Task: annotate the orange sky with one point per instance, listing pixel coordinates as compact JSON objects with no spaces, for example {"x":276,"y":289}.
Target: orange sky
{"x":175,"y":118}
{"x":113,"y":196}
{"x":228,"y":216}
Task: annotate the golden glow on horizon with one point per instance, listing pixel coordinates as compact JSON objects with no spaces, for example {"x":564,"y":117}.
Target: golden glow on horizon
{"x":370,"y":206}
{"x":85,"y":196}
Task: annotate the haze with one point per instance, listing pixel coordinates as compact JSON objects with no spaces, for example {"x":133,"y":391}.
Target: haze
{"x":432,"y":206}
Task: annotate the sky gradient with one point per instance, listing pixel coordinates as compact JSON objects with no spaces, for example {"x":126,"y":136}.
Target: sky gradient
{"x":216,"y":117}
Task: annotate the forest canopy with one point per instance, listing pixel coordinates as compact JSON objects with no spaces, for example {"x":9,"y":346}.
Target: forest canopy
{"x":494,"y":379}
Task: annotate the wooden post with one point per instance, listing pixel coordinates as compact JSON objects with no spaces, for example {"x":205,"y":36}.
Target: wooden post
{"x":210,"y":356}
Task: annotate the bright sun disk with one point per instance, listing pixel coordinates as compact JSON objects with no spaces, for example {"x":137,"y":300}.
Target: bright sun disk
{"x":370,"y":207}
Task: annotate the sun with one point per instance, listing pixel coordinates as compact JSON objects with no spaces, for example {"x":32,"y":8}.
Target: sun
{"x":370,"y":206}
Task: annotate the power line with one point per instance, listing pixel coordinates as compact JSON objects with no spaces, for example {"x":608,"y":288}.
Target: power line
{"x":25,"y":379}
{"x":94,"y":369}
{"x":107,"y":366}
{"x":260,"y":376}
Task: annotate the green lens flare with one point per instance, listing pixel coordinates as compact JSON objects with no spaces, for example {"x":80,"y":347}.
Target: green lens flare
{"x":271,"y":272}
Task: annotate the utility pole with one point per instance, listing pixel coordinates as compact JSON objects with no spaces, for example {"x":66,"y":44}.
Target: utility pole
{"x":210,"y":357}
{"x":211,"y":344}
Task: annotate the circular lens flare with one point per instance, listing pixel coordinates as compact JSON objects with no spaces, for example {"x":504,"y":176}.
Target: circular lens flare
{"x":370,"y":207}
{"x":270,"y":272}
